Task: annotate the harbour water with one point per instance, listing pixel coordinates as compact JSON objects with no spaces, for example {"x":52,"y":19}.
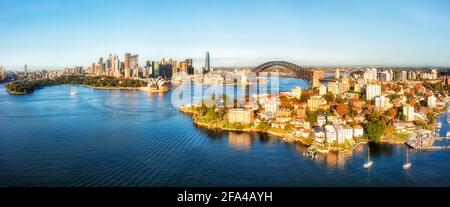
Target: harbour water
{"x":135,"y":138}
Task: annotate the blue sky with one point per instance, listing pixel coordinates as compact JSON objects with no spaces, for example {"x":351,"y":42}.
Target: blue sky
{"x":59,"y":33}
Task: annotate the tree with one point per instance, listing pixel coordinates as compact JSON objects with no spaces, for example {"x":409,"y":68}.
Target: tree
{"x":375,"y":127}
{"x":329,"y":97}
{"x":392,"y":112}
{"x":374,"y":131}
{"x":342,"y":109}
{"x":264,"y":127}
{"x":388,"y":132}
{"x":411,"y":101}
{"x":401,"y":116}
{"x":311,"y":117}
{"x":339,"y":99}
{"x":431,"y":118}
{"x":304,"y":97}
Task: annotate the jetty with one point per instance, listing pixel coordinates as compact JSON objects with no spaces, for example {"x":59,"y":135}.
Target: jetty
{"x":424,"y":140}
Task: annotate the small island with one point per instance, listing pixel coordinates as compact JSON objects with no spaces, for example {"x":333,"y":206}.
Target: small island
{"x":96,"y":82}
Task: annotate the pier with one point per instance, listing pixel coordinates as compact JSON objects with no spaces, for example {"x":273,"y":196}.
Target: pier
{"x":424,"y":140}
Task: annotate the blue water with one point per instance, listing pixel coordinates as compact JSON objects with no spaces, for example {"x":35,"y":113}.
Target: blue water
{"x":134,"y":138}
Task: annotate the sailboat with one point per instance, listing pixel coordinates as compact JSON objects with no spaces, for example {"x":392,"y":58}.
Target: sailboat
{"x":408,"y":164}
{"x":369,"y":162}
{"x":73,"y":91}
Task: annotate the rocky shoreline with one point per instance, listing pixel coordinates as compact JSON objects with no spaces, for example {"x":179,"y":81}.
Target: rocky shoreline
{"x":289,"y":138}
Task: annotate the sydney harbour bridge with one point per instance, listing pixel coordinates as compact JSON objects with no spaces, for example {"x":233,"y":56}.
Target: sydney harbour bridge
{"x":287,"y":69}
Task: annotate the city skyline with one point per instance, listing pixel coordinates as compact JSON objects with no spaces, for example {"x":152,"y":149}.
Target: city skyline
{"x":57,"y":34}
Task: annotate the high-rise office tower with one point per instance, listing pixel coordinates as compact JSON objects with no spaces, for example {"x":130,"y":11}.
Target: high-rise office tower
{"x":109,"y":64}
{"x":207,"y":63}
{"x":25,"y":68}
{"x":127,"y":65}
{"x":184,"y":67}
{"x":146,"y":70}
{"x":155,"y":69}
{"x":135,"y":65}
{"x":93,"y":69}
{"x":116,"y":66}
{"x":101,"y":68}
{"x":190,"y":67}
{"x":134,"y":61}
{"x":166,"y":68}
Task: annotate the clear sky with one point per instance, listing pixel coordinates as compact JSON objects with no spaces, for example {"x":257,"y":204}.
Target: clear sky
{"x":59,"y":33}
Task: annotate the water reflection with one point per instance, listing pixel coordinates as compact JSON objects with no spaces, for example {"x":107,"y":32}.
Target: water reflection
{"x":338,"y":159}
{"x":242,"y":141}
{"x":378,"y":150}
{"x":210,"y":133}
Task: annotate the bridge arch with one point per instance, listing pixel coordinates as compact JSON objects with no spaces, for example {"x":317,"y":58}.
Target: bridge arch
{"x":286,"y":69}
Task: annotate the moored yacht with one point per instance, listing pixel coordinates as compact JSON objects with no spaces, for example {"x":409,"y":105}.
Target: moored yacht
{"x":369,"y":162}
{"x":408,"y":164}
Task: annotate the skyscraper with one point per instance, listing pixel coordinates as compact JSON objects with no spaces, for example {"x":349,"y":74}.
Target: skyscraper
{"x":134,"y":64}
{"x":166,"y":68}
{"x":127,"y":65}
{"x":190,"y":67}
{"x":155,"y":69}
{"x":101,"y":68}
{"x":147,"y":69}
{"x":116,"y":66}
{"x":25,"y":68}
{"x":93,"y":69}
{"x":207,"y":63}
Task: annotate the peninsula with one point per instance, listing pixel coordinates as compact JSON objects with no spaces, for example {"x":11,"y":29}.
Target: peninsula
{"x":96,"y":82}
{"x":338,"y":116}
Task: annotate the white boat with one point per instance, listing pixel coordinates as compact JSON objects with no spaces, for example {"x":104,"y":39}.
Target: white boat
{"x":368,"y":165}
{"x":408,"y":164}
{"x":369,"y":162}
{"x":73,"y":91}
